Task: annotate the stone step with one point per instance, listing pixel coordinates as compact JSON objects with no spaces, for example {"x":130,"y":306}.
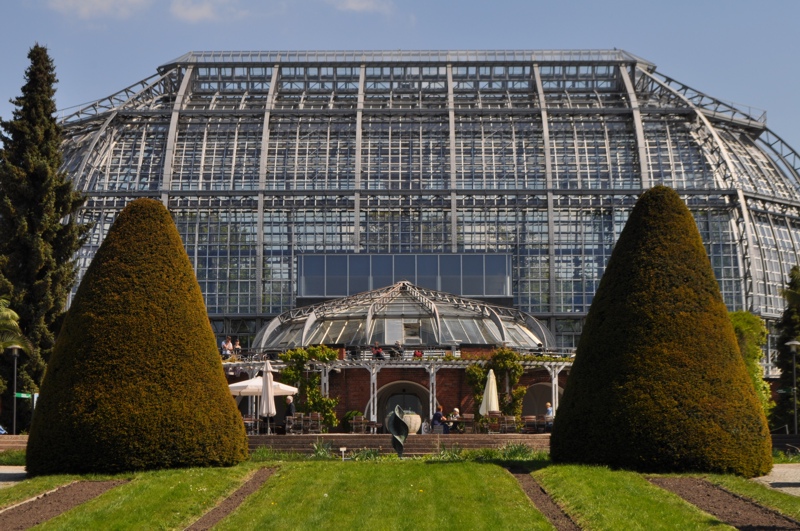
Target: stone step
{"x":13,"y":442}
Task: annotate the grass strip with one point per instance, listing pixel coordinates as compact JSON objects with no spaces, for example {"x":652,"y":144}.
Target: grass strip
{"x":12,"y":458}
{"x":30,"y":488}
{"x":782,"y":502}
{"x":165,"y":499}
{"x":387,"y":495}
{"x":599,"y":498}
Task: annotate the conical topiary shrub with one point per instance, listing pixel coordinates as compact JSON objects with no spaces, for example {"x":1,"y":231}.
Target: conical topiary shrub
{"x":658,"y":382}
{"x":135,"y":381}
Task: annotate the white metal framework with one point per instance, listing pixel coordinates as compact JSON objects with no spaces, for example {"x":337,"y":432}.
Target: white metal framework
{"x":467,"y":160}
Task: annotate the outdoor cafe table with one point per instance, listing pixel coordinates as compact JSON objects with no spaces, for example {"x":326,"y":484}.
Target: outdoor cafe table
{"x":451,"y":422}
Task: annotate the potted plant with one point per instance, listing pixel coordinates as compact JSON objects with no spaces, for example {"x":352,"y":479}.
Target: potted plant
{"x":413,"y":420}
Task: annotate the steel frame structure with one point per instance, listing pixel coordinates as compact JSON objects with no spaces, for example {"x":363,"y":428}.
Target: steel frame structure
{"x":263,"y":156}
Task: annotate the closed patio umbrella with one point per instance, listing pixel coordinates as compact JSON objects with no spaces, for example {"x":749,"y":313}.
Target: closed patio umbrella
{"x":267,"y":406}
{"x":490,"y":400}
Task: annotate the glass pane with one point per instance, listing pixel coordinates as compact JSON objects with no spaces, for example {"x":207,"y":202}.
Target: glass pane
{"x":473,"y":274}
{"x":359,"y":274}
{"x":428,"y":271}
{"x":450,"y":265}
{"x":456,"y":330}
{"x":336,"y":275}
{"x":378,"y":332}
{"x":313,"y":280}
{"x":427,"y":335}
{"x":405,"y":269}
{"x":381,"y":271}
{"x":497,"y":275}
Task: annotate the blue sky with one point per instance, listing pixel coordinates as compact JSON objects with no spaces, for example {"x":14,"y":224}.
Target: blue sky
{"x":739,"y":51}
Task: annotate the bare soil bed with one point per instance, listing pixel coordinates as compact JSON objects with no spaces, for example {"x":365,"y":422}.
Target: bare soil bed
{"x":543,"y":502}
{"x":49,"y":505}
{"x":729,"y":508}
{"x":229,"y":504}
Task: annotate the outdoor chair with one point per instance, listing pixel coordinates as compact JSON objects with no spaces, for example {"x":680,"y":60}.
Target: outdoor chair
{"x":289,"y":425}
{"x":297,"y":425}
{"x":529,"y":424}
{"x":357,"y":424}
{"x":494,"y":418}
{"x":468,"y":420}
{"x":438,"y":429}
{"x":315,"y":423}
{"x":508,"y":424}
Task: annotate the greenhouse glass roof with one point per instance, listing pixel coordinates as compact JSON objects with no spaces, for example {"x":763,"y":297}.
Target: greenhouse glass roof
{"x":406,"y":314}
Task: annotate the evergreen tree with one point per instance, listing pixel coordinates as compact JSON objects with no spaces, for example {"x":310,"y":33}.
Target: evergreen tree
{"x":39,"y":234}
{"x":789,"y":330}
{"x":658,"y":383}
{"x":136,"y":381}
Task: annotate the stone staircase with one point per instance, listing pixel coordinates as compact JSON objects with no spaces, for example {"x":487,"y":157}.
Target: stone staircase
{"x":415,"y":444}
{"x":13,"y":442}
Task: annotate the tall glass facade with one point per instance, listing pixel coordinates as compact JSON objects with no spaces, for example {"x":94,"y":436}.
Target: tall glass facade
{"x":272,"y":160}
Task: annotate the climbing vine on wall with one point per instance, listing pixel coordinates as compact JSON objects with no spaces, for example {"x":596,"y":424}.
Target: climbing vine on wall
{"x":298,"y":372}
{"x":507,"y":366}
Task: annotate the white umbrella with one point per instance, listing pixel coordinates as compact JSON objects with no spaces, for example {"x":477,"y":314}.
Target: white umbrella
{"x":490,"y":400}
{"x":254,"y":386}
{"x":267,"y":406}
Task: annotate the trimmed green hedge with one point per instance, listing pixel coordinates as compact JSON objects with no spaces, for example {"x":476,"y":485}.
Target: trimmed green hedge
{"x":658,"y":383}
{"x":135,"y":381}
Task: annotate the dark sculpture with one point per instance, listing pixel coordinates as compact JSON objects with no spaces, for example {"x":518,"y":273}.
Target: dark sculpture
{"x":398,"y":428}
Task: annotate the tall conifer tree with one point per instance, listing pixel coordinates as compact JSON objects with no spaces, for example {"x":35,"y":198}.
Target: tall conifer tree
{"x":789,"y":329}
{"x":39,"y":234}
{"x":658,"y":383}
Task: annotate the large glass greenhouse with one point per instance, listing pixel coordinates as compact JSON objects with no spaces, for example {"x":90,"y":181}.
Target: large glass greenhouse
{"x":501,"y":176}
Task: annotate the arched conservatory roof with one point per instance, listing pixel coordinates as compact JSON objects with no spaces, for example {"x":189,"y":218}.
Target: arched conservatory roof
{"x":407,"y":314}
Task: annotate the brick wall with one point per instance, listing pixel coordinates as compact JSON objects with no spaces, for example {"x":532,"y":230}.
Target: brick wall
{"x":352,"y":386}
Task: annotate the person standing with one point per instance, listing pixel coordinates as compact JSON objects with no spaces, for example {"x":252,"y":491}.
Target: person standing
{"x":288,"y":412}
{"x":227,"y":348}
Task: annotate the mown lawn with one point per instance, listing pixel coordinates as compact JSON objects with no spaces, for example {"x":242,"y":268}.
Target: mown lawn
{"x":388,"y":494}
{"x":599,"y":498}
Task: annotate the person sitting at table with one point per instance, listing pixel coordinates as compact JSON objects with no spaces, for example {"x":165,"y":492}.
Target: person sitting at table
{"x":377,"y":352}
{"x":455,"y":426}
{"x":237,"y":348}
{"x":439,"y":420}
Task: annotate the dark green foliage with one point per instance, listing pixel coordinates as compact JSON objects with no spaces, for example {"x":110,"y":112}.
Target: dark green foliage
{"x":310,"y":397}
{"x":658,"y":383}
{"x":39,"y":233}
{"x":789,"y":329}
{"x":751,"y":334}
{"x":135,"y":381}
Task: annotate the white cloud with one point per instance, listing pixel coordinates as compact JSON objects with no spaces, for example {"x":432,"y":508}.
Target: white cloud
{"x":99,"y":8}
{"x":204,"y":10}
{"x":363,"y":6}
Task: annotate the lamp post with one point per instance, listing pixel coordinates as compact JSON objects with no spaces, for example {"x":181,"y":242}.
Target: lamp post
{"x":15,"y":352}
{"x":793,"y":345}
